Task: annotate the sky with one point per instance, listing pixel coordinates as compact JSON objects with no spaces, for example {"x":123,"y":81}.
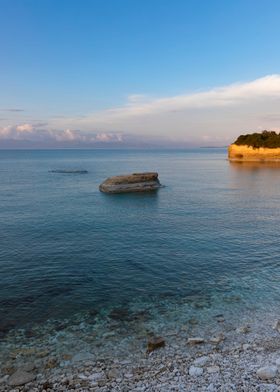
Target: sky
{"x":137,"y":72}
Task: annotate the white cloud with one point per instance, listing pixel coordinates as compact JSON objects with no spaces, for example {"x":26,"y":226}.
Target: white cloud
{"x":25,"y":128}
{"x":221,"y":112}
{"x":31,"y":132}
{"x":233,"y":94}
{"x":106,"y":137}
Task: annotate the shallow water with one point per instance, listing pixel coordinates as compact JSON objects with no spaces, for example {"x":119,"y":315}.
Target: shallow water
{"x":209,"y":238}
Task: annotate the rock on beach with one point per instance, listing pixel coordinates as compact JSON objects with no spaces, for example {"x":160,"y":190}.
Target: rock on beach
{"x":267,"y":372}
{"x":136,"y":182}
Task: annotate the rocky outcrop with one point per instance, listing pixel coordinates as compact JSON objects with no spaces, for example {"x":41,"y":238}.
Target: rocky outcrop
{"x":249,"y":153}
{"x":136,"y":182}
{"x":69,"y":171}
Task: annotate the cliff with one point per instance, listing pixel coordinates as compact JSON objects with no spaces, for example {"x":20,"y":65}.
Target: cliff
{"x":136,"y":182}
{"x":249,"y":153}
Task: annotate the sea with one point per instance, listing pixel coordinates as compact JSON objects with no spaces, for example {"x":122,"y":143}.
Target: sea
{"x":203,"y":245}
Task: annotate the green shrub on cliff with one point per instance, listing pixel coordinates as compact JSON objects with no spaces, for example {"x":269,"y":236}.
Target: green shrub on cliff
{"x":269,"y":139}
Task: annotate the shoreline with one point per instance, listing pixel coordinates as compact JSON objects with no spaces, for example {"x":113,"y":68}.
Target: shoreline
{"x":91,"y":356}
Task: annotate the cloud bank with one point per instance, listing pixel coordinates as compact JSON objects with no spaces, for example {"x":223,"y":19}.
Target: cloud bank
{"x":214,"y":116}
{"x":37,"y":134}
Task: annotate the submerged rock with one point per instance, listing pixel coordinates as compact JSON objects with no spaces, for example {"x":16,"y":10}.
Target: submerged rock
{"x":155,"y":343}
{"x":119,"y":314}
{"x":136,"y":182}
{"x":82,"y":357}
{"x":69,"y":171}
{"x":20,"y":377}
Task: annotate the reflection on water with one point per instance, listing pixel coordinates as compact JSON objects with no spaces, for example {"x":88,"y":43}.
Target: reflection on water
{"x":255,"y":165}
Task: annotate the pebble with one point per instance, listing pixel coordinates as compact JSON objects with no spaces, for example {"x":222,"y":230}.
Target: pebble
{"x":213,"y":369}
{"x":97,"y":376}
{"x":195,"y":371}
{"x":267,"y":372}
{"x":217,"y":339}
{"x":201,"y":361}
{"x":195,"y":340}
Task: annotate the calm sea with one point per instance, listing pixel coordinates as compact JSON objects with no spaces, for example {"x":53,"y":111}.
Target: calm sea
{"x":66,"y":248}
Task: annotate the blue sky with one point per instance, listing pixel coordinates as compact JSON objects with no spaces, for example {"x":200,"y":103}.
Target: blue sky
{"x":68,"y":64}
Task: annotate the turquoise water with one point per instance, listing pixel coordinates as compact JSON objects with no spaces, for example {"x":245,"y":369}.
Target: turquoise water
{"x":212,"y":232}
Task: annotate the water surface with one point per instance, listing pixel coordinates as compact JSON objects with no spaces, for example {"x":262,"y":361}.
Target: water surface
{"x":66,"y":248}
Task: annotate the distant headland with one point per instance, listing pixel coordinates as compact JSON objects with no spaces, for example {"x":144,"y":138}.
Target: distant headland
{"x":264,"y":146}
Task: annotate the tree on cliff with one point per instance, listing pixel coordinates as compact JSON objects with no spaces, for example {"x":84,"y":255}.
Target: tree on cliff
{"x":268,"y":139}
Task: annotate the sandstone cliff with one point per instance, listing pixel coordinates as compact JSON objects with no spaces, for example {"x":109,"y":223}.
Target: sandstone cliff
{"x":249,"y":153}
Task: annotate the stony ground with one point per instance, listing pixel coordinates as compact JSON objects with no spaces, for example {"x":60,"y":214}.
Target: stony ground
{"x":244,"y":357}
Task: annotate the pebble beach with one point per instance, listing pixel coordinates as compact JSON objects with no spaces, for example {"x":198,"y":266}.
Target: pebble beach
{"x":200,"y":350}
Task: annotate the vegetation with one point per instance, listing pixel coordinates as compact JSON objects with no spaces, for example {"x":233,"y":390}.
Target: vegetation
{"x":268,"y":139}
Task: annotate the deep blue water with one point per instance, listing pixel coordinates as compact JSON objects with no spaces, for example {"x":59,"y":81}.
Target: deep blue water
{"x":65,"y":247}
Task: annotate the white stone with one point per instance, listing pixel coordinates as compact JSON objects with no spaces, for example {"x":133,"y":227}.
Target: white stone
{"x":217,"y":339}
{"x":267,"y":372}
{"x":197,"y":340}
{"x":213,"y":369}
{"x":82,"y":377}
{"x":128,"y":375}
{"x":201,"y":361}
{"x":195,"y":371}
{"x":97,"y":376}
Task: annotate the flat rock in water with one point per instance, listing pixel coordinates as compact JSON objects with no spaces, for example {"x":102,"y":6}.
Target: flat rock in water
{"x":20,"y":377}
{"x":69,"y":171}
{"x":136,"y":182}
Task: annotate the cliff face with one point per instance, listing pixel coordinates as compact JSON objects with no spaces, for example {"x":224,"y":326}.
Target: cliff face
{"x":248,"y":153}
{"x":136,"y":182}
